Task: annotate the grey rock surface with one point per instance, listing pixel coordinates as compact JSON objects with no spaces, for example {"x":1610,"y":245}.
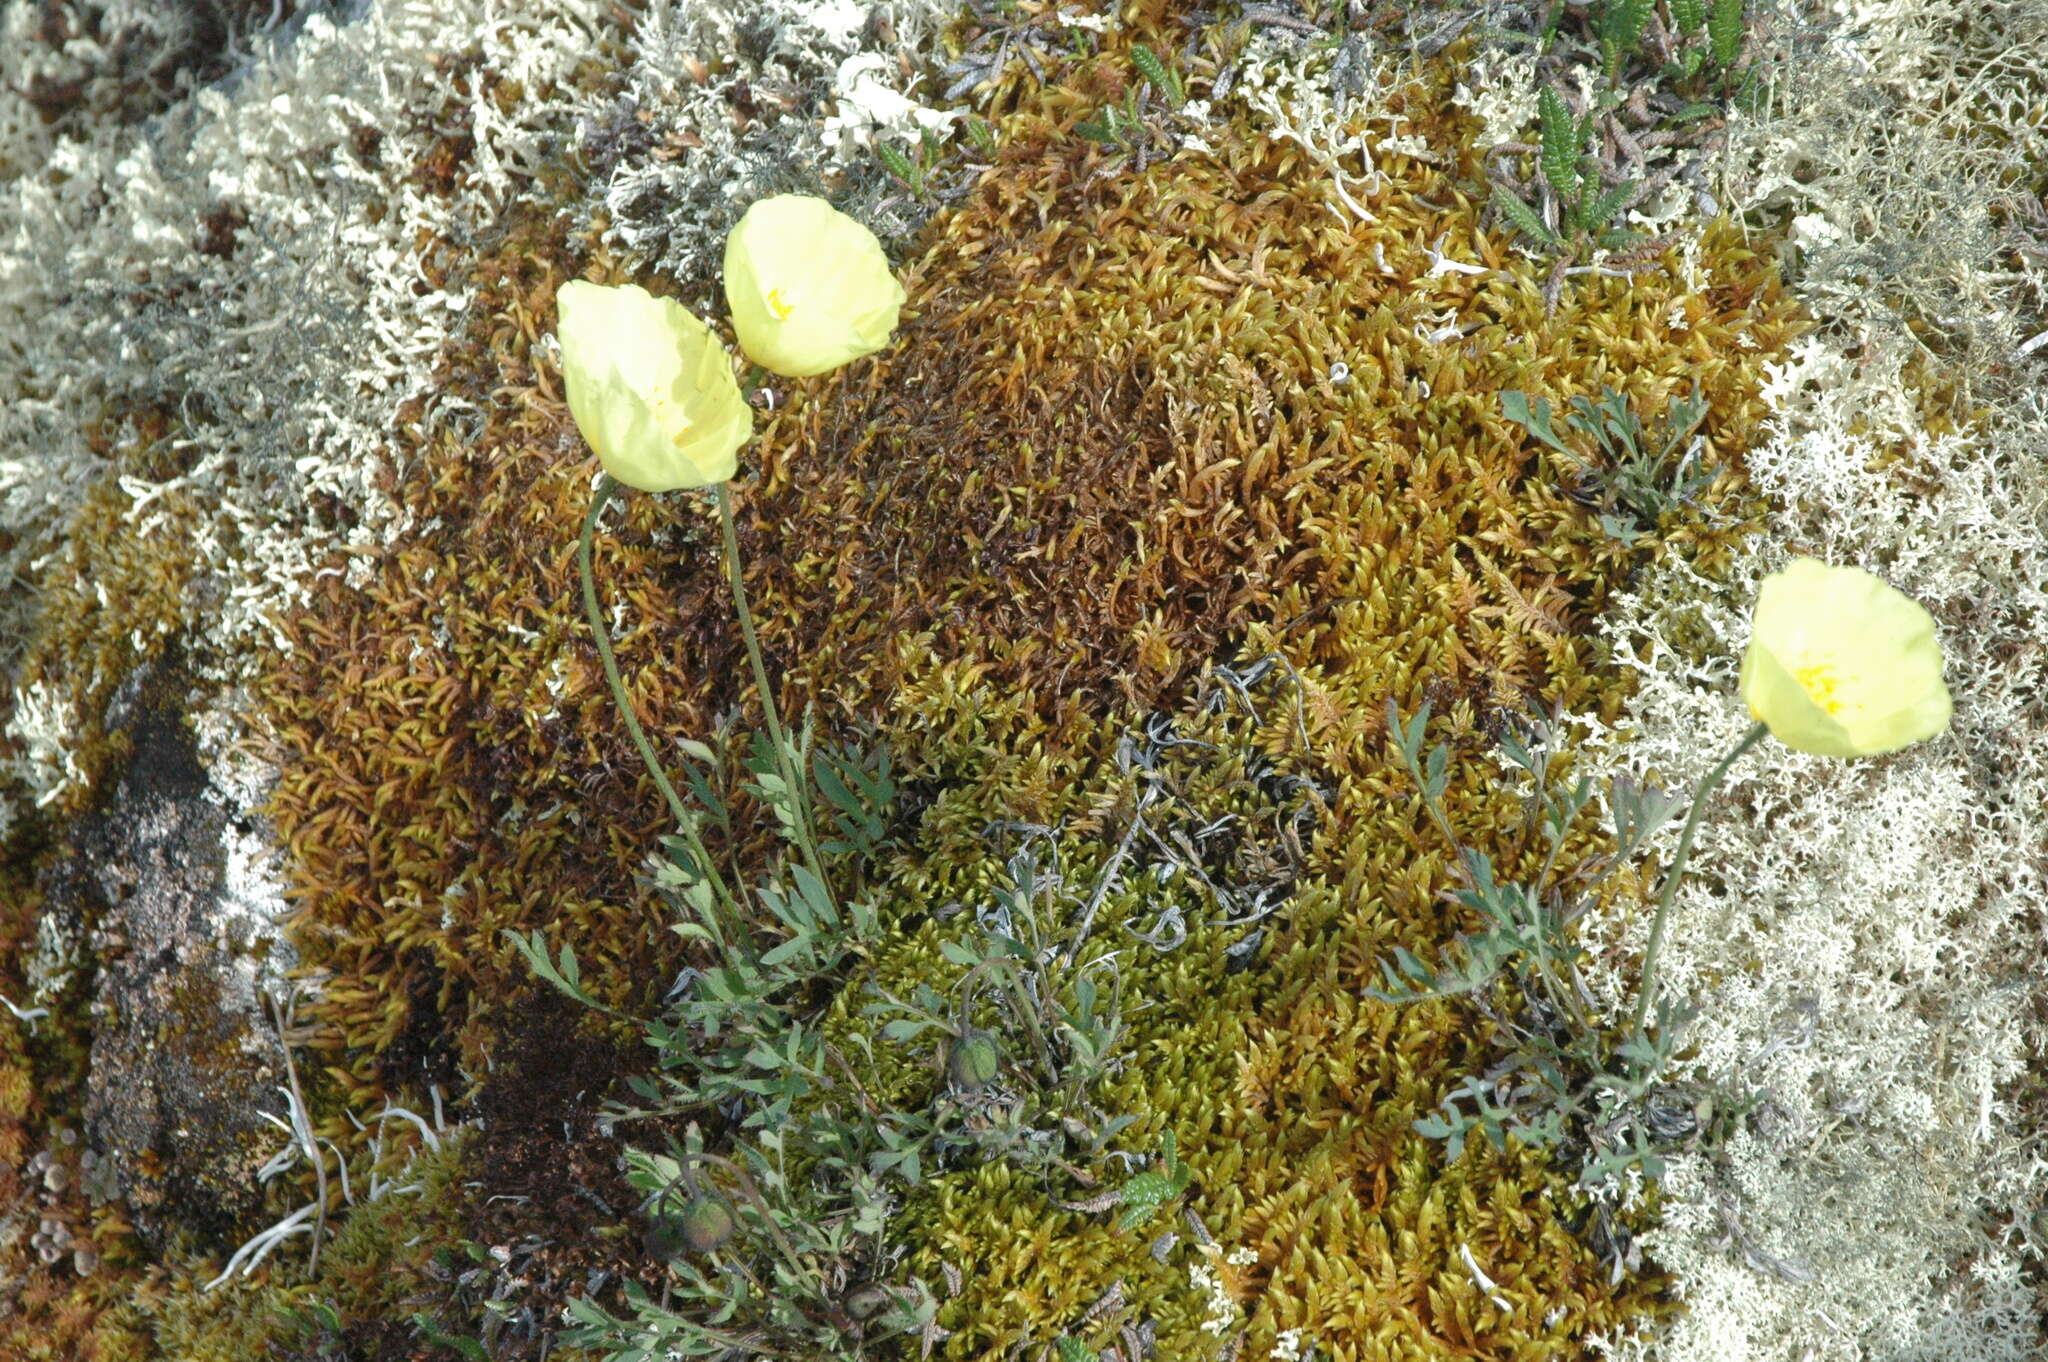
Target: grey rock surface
{"x":183,"y":1057}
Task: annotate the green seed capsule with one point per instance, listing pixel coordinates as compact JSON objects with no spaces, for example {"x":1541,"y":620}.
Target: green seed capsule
{"x":703,"y":1225}
{"x":707,"y":1223}
{"x":975,"y":1060}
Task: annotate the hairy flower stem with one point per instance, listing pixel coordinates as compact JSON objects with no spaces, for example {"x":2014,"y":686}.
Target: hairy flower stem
{"x":794,"y":784}
{"x":1669,"y":889}
{"x":688,"y":824}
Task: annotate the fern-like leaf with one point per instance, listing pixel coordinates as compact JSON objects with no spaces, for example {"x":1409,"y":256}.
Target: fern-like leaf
{"x":1595,"y":212}
{"x":899,"y":165}
{"x":1523,"y":216}
{"x":1144,"y":1194}
{"x":1724,"y":31}
{"x":1154,"y":70}
{"x":1688,"y":15}
{"x":1560,"y":137}
{"x":1621,"y":28}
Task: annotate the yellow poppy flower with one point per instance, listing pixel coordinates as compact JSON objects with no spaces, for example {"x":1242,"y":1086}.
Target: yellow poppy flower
{"x":650,"y":387}
{"x":808,"y":287}
{"x":1840,"y":664}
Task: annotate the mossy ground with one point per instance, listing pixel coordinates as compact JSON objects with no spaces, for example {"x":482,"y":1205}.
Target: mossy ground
{"x":1104,"y":454}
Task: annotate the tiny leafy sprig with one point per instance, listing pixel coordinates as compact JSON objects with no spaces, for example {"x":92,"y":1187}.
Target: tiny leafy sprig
{"x":1162,"y":77}
{"x":1725,"y":31}
{"x":1044,"y":1023}
{"x":1636,"y":479}
{"x":1145,"y":1193}
{"x":1618,"y":29}
{"x":1126,"y":126}
{"x":931,"y":156}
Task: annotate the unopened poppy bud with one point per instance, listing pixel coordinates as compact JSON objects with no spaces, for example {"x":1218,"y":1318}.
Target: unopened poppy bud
{"x":704,"y":1224}
{"x":707,"y":1223}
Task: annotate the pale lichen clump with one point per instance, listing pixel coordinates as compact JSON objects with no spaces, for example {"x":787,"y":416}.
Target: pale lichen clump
{"x":1867,"y":939}
{"x":214,"y":320}
{"x":710,"y":115}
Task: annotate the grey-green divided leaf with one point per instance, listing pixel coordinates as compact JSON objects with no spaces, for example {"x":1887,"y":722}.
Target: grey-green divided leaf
{"x":1436,"y":773}
{"x":567,"y":975}
{"x":860,"y":792}
{"x":1533,"y":416}
{"x":1638,"y":811}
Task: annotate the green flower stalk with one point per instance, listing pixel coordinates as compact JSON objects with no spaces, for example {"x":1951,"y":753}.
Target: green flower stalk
{"x":1669,"y":889}
{"x":653,"y":393}
{"x":598,"y":501}
{"x":1839,"y":664}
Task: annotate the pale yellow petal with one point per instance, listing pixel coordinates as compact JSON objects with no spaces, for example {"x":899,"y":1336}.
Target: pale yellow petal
{"x":650,"y":387}
{"x":1842,"y":664}
{"x":809,"y":288}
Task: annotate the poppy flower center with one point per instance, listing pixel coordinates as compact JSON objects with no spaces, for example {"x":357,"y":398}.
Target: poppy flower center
{"x":780,"y":305}
{"x":1820,"y":684}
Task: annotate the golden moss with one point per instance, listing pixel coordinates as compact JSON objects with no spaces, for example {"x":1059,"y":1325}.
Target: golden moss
{"x":1291,"y":1097}
{"x":108,"y":602}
